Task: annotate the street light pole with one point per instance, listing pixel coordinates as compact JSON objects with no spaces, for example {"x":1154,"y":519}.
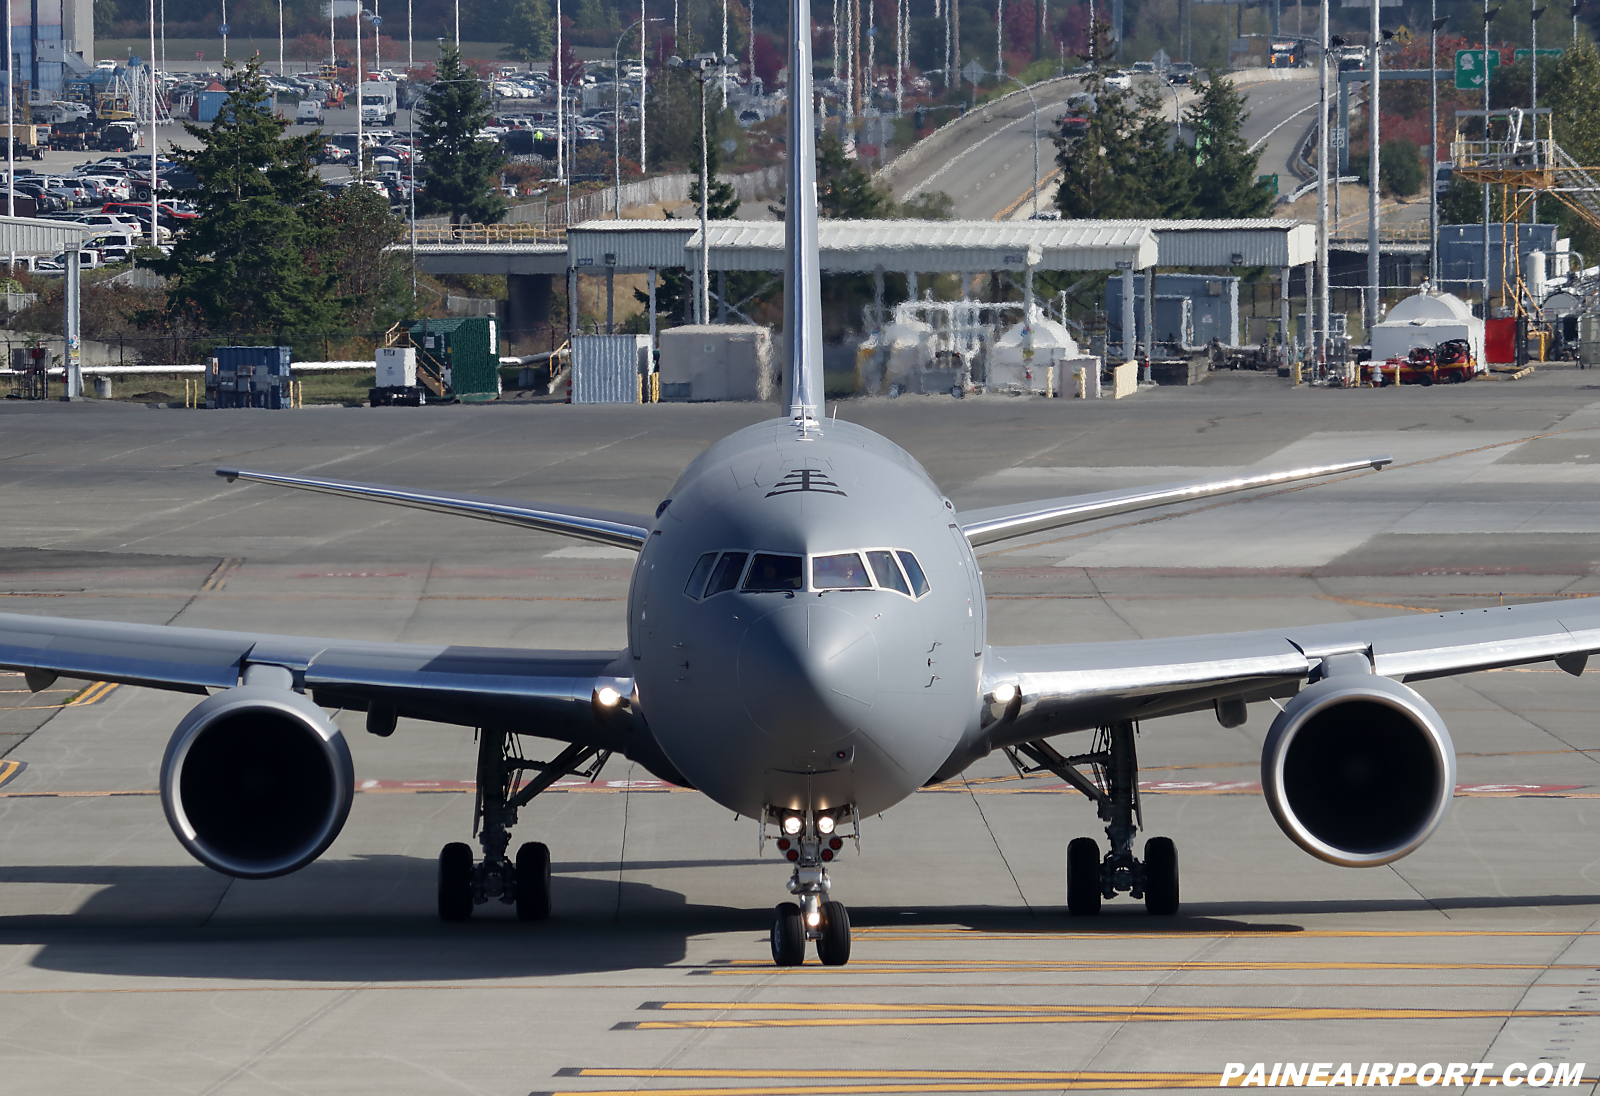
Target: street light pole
{"x":1035,"y":103}
{"x":1488,"y":74}
{"x":1533,"y":61}
{"x":1433,"y":144}
{"x":1321,"y":315}
{"x":1374,"y":136}
{"x":701,"y":64}
{"x":616,"y":121}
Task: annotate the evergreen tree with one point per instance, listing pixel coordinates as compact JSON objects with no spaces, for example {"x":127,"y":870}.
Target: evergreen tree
{"x":252,"y":261}
{"x":458,"y":168}
{"x":529,"y":31}
{"x":592,"y":14}
{"x":1225,"y":183}
{"x":371,"y":281}
{"x":724,"y":203}
{"x":845,"y":190}
{"x":1125,"y":164}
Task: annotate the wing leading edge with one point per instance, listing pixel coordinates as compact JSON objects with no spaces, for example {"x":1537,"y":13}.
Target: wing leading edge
{"x":1079,"y":686}
{"x":549,"y":693}
{"x":608,"y":527}
{"x":1018,"y":519}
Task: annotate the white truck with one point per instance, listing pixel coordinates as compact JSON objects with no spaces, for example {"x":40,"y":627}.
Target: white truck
{"x":378,"y":102}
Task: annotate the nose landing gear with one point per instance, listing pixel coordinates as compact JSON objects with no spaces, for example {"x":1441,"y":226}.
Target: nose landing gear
{"x":1115,"y":790}
{"x":809,"y":842}
{"x":525,"y":883}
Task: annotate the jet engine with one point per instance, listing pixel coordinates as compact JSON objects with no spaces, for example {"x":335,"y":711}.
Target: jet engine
{"x":1358,"y":770}
{"x":256,"y":781}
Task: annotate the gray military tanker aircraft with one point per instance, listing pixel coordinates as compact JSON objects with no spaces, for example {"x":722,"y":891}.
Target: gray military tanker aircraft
{"x":806,"y":644}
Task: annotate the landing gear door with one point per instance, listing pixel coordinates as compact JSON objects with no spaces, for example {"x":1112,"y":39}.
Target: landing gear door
{"x":975,"y":606}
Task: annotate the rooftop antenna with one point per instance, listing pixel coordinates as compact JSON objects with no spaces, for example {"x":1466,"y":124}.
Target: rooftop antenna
{"x":802,"y":281}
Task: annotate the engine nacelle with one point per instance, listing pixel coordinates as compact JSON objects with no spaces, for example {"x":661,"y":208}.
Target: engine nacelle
{"x":1358,"y":770}
{"x":256,"y":781}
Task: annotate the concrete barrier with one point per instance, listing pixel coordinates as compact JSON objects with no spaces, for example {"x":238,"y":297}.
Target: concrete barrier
{"x":1124,"y":380}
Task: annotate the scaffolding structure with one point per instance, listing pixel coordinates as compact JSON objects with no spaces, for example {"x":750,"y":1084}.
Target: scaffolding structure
{"x":1523,"y":165}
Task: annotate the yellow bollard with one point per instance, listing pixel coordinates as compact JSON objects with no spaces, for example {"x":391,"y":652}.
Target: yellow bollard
{"x":655,"y":388}
{"x":1294,"y":370}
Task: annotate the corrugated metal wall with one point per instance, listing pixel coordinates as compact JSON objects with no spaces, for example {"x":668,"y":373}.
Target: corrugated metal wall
{"x":606,"y":368}
{"x":32,"y":236}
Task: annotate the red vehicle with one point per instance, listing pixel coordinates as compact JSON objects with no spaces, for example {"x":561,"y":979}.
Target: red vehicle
{"x":1448,"y":363}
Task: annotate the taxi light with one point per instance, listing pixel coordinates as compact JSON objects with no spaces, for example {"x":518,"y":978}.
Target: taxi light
{"x":607,"y":696}
{"x":814,"y":918}
{"x":1005,"y":694}
{"x":825,"y":824}
{"x":791,"y":825}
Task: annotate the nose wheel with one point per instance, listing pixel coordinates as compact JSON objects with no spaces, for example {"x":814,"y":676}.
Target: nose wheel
{"x":523,"y":883}
{"x":1115,"y":790}
{"x":809,"y":842}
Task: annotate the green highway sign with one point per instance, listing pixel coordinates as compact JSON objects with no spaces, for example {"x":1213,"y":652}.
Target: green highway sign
{"x":1524,"y":54}
{"x":1469,"y":68}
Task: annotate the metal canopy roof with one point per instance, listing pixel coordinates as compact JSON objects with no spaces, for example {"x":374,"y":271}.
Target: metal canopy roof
{"x":628,"y":247}
{"x":934,"y":246}
{"x":36,"y":236}
{"x":1264,"y":241}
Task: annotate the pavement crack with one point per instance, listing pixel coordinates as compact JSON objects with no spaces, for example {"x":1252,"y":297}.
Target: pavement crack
{"x":282,"y":1040}
{"x":990,"y":829}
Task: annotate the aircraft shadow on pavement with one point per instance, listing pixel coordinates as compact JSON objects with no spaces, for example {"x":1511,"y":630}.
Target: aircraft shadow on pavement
{"x":364,"y":919}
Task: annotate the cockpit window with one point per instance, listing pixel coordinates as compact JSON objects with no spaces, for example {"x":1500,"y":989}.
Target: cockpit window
{"x":843,"y":571}
{"x":919,"y":581}
{"x":697,"y":577}
{"x":773,"y":572}
{"x":887,"y":572}
{"x":725,"y":576}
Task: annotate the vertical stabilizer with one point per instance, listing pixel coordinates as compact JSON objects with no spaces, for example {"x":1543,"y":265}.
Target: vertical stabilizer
{"x":802,"y":280}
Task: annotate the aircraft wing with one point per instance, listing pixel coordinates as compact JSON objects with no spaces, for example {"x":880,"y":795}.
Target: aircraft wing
{"x":1069,"y":687}
{"x":548,"y":693}
{"x":601,"y":526}
{"x":994,"y":523}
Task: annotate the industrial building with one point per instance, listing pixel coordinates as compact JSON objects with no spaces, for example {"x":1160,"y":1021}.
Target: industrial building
{"x":52,"y":42}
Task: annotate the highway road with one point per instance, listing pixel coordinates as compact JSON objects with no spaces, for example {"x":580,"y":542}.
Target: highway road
{"x":987,"y":168}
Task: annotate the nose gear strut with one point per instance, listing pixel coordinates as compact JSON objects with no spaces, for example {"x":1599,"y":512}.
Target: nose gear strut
{"x":525,"y":883}
{"x":814,"y":916}
{"x":1114,"y":788}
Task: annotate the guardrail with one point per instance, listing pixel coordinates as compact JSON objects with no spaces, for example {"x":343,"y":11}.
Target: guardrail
{"x":491,"y":234}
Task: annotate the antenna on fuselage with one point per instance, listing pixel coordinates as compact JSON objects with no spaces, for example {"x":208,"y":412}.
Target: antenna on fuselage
{"x":802,"y":277}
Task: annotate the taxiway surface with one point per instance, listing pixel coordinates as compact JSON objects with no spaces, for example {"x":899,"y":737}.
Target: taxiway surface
{"x":126,"y":967}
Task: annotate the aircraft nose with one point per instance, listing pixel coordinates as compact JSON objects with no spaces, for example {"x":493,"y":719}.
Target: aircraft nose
{"x":808,"y":673}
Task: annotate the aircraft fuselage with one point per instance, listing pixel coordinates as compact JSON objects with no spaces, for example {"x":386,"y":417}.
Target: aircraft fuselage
{"x":806,"y":622}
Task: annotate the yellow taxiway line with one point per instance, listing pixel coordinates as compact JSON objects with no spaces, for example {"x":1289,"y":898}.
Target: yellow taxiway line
{"x":914,"y":1015}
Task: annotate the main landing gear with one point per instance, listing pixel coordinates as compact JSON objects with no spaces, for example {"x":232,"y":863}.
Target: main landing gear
{"x":1115,"y":790}
{"x":809,"y":841}
{"x":524,"y":883}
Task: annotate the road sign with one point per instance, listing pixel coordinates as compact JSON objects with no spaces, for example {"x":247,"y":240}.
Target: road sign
{"x":973,"y":73}
{"x":1524,"y":54}
{"x":1337,"y":137}
{"x":223,"y":30}
{"x":377,"y":20}
{"x":1469,"y":68}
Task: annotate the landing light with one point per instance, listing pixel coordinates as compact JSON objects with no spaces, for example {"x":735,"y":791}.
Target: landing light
{"x":791,"y":824}
{"x":1004,"y":694}
{"x":607,"y":696}
{"x":814,"y":918}
{"x":825,"y":824}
